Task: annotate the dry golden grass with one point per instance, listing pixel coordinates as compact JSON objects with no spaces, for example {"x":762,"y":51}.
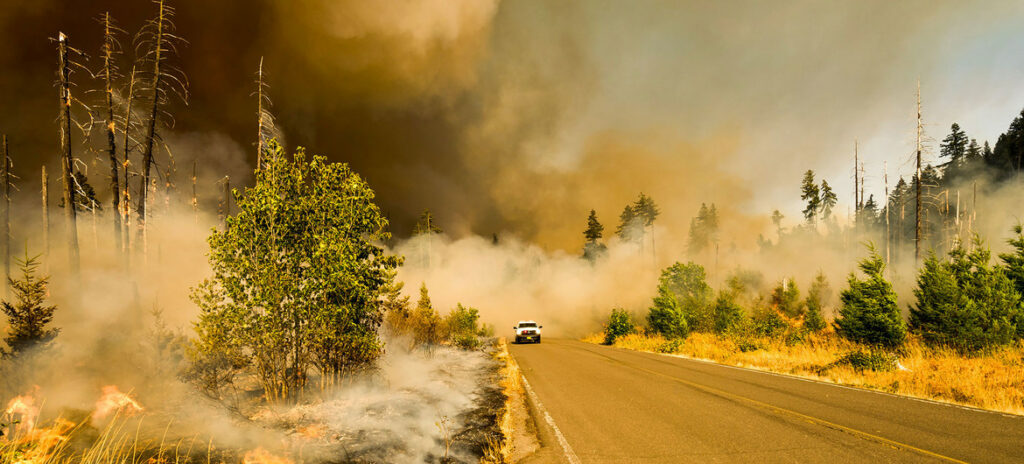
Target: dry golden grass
{"x":992,"y":381}
{"x":500,"y":451}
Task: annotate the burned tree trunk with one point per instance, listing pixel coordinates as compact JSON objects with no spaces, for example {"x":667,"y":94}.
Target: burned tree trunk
{"x":66,"y":160}
{"x":115,"y":195}
{"x":126,"y":198}
{"x":195,"y":198}
{"x":147,"y":154}
{"x":225,"y":202}
{"x":46,"y":217}
{"x":917,"y":173}
{"x":6,"y":174}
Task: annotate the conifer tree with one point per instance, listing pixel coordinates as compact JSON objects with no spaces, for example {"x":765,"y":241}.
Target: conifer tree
{"x":727,"y":314}
{"x":629,"y":223}
{"x":812,"y":195}
{"x":964,"y":302}
{"x":828,"y":200}
{"x":594,"y":228}
{"x":592,"y":248}
{"x":954,"y":146}
{"x":426,"y":224}
{"x":817,"y":298}
{"x":786,"y":298}
{"x":869,"y":313}
{"x":28,"y":318}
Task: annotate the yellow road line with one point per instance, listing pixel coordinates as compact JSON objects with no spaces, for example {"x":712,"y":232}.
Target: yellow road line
{"x":783,"y":411}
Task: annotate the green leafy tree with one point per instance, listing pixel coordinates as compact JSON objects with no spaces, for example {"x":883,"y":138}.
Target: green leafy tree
{"x":786,"y":298}
{"x":28,"y":318}
{"x":619,"y":323}
{"x":828,"y":200}
{"x":298,"y":274}
{"x":817,"y":299}
{"x":964,"y":302}
{"x":666,"y":315}
{"x":868,"y":313}
{"x":810,"y":193}
{"x":593,"y":248}
{"x":687,"y":284}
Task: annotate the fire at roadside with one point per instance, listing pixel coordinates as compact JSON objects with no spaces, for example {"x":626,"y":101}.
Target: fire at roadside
{"x":436,"y":404}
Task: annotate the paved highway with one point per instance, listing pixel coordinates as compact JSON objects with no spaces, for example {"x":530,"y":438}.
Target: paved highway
{"x":597,"y":404}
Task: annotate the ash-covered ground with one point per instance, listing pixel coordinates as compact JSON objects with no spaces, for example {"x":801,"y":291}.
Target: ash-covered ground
{"x":436,"y":404}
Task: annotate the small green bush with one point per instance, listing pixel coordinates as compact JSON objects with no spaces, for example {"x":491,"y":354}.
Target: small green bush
{"x":671,"y":346}
{"x":746,"y":345}
{"x":619,"y":323}
{"x":868,"y":361}
{"x":769,"y":323}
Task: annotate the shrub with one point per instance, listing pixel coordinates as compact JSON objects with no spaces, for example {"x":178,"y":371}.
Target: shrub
{"x":671,"y":346}
{"x":727,"y":313}
{"x":870,"y":361}
{"x":746,"y":344}
{"x":964,"y":303}
{"x":619,"y":323}
{"x":462,"y":326}
{"x":769,"y":323}
{"x":869,"y":313}
{"x":666,"y":316}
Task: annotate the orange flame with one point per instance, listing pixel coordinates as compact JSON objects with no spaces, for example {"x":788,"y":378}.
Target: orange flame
{"x":113,"y":400}
{"x":42,"y":444}
{"x":312,"y":432}
{"x":262,"y":456}
{"x":24,"y":410}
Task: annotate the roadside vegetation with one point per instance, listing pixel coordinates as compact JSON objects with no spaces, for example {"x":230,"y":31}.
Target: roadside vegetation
{"x":963,"y":342}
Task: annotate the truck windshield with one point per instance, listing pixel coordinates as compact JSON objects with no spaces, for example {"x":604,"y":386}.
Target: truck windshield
{"x":528,"y":324}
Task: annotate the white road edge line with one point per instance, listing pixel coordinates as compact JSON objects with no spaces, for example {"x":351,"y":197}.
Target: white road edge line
{"x":833,"y":384}
{"x":569,"y":453}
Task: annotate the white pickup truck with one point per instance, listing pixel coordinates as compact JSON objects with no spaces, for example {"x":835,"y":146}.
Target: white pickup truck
{"x":527,"y":331}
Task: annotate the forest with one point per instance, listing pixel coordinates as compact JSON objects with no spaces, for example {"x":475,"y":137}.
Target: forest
{"x":299,"y":319}
{"x":965,"y":304}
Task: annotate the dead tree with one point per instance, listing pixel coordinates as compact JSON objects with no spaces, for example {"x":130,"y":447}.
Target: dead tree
{"x":46,"y":216}
{"x":66,"y":159}
{"x":917,"y":211}
{"x":265,"y":120}
{"x":5,"y":173}
{"x":158,"y":34}
{"x":195,"y":198}
{"x":126,"y":197}
{"x":108,"y":73}
{"x":224,"y":209}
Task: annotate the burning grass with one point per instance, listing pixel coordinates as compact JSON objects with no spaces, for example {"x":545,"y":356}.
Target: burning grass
{"x":994,"y":380}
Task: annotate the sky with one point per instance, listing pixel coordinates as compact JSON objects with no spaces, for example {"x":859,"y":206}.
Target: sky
{"x":518,"y":117}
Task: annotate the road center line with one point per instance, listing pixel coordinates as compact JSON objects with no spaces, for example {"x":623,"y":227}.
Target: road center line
{"x":569,"y":453}
{"x":783,"y":411}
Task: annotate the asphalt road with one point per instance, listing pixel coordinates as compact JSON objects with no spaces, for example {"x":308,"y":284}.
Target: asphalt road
{"x":597,"y":404}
